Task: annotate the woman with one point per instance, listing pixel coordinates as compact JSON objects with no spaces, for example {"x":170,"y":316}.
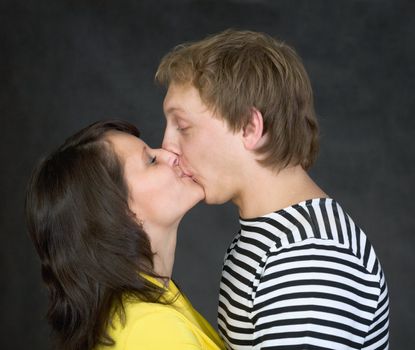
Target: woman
{"x":103,"y":212}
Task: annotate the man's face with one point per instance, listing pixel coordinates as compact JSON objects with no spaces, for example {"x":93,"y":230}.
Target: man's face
{"x":207,"y":149}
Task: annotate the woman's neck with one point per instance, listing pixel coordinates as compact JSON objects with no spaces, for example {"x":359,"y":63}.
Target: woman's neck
{"x":163,"y":245}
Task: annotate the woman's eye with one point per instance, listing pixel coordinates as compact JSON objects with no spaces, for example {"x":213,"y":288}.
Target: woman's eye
{"x":153,"y":160}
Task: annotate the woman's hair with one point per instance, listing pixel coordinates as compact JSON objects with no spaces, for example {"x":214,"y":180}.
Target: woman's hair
{"x":91,"y":246}
{"x":236,"y":71}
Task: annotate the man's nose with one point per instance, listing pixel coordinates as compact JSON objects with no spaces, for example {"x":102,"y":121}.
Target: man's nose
{"x":170,"y":143}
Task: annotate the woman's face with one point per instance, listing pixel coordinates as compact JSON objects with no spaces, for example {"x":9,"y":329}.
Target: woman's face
{"x":159,"y":192}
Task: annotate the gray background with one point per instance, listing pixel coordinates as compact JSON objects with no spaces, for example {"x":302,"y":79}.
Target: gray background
{"x":64,"y":64}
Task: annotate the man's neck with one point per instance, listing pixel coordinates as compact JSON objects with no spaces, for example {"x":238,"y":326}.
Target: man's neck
{"x":266,"y":191}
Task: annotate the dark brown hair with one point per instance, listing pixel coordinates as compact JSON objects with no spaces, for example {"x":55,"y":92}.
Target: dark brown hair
{"x":235,"y":71}
{"x":91,"y":247}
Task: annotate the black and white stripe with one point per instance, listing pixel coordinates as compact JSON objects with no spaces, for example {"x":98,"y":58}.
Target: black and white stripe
{"x":303,"y":277}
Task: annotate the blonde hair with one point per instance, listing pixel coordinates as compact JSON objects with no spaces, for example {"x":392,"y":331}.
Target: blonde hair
{"x":236,"y":71}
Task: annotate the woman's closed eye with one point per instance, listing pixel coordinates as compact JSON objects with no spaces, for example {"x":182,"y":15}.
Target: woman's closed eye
{"x":153,"y":160}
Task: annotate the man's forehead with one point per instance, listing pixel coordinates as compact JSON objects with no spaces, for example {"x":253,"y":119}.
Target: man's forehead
{"x":182,"y":103}
{"x":178,"y":93}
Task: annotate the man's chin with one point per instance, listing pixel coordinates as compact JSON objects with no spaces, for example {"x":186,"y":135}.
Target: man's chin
{"x":211,"y":198}
{"x":201,"y":188}
{"x":214,"y":200}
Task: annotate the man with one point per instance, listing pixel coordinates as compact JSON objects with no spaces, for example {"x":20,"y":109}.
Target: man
{"x":300,"y":274}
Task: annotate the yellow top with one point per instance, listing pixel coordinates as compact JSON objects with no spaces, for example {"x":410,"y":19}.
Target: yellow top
{"x":153,"y":326}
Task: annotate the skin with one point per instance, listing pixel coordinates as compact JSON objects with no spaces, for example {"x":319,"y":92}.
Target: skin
{"x":159,"y":194}
{"x":225,"y":163}
{"x":207,"y":149}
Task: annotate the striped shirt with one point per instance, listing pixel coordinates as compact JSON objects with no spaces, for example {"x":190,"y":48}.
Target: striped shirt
{"x":304,"y":277}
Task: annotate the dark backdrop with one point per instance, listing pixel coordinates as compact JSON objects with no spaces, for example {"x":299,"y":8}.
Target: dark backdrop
{"x":64,"y":64}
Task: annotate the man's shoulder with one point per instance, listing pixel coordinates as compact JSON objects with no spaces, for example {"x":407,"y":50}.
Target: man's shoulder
{"x":312,"y":224}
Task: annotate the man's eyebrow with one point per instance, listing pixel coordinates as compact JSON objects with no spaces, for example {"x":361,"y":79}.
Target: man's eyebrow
{"x":174,"y":109}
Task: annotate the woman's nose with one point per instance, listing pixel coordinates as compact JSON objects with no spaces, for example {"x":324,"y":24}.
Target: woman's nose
{"x":167,"y":157}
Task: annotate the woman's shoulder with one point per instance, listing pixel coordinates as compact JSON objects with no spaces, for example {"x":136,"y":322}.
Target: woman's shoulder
{"x":136,"y":310}
{"x":156,"y":326}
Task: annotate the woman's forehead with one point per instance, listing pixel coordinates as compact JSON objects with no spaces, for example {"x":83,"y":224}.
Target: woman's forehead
{"x":126,"y":145}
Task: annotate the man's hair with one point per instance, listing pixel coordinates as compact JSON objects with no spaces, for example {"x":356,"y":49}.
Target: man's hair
{"x":236,"y":71}
{"x":91,"y":247}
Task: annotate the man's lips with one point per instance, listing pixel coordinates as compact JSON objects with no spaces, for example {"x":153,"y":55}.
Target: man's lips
{"x":181,"y":173}
{"x":184,"y":173}
{"x":187,"y":173}
{"x":183,"y":169}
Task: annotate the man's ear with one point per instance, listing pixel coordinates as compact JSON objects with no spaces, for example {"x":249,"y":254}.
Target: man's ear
{"x":252,"y":131}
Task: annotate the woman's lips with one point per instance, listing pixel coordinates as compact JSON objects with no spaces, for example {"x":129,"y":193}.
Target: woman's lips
{"x":183,"y":170}
{"x":180,"y":172}
{"x":183,"y":173}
